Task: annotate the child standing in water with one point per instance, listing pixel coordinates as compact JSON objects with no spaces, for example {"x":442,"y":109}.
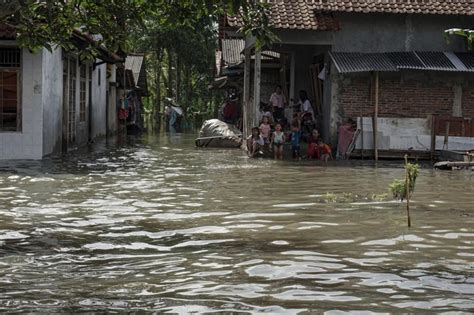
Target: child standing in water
{"x":255,"y":142}
{"x":295,"y":141}
{"x":265,"y":129}
{"x":278,"y":140}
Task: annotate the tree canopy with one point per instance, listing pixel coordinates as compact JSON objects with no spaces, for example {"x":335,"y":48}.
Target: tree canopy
{"x":42,"y":23}
{"x":468,"y":34}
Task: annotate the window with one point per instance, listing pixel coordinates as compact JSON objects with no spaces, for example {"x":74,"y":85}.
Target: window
{"x":10,"y":106}
{"x":82,"y":93}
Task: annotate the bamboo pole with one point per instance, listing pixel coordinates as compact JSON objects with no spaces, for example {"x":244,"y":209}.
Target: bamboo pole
{"x":407,"y":190}
{"x":376,"y":114}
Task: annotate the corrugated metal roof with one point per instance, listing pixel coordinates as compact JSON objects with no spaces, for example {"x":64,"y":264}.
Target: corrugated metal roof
{"x":467,"y":59}
{"x":394,"y":61}
{"x":405,"y":60}
{"x":134,"y":63}
{"x":361,"y":62}
{"x":231,"y":51}
{"x":436,"y":60}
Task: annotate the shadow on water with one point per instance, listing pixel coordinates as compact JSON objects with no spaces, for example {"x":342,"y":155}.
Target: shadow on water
{"x":152,"y":223}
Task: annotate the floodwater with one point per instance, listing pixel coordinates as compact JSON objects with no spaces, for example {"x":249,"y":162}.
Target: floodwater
{"x":158,"y":225}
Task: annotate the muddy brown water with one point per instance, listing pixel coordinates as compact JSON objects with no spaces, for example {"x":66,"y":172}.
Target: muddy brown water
{"x":158,"y":225}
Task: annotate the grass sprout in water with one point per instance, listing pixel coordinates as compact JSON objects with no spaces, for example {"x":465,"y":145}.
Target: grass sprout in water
{"x":403,"y":190}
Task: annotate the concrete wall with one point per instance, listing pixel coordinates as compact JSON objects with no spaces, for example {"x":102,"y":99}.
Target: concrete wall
{"x":384,"y":32}
{"x":52,"y":101}
{"x":112,"y":104}
{"x":99,"y":104}
{"x":27,"y":144}
{"x":407,"y":134}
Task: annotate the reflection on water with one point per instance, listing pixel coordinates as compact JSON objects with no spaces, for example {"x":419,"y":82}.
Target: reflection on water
{"x":159,"y":225}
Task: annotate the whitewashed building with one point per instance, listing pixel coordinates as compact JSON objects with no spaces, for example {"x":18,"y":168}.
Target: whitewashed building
{"x":51,"y":102}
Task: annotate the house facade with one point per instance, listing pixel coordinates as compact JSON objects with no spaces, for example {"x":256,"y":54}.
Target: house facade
{"x":51,"y":102}
{"x":382,"y":61}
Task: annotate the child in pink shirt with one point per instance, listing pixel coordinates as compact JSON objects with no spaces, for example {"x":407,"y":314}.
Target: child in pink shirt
{"x":265,"y":129}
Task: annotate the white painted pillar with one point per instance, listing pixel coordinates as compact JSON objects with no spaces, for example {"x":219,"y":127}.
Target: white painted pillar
{"x":256,"y":88}
{"x":288,"y":113}
{"x":246,"y":94}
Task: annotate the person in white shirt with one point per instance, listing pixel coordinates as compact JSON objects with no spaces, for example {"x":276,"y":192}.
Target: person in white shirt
{"x":305,"y":104}
{"x":278,"y":102}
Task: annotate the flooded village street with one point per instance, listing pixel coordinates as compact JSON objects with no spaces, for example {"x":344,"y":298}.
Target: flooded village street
{"x":159,"y":225}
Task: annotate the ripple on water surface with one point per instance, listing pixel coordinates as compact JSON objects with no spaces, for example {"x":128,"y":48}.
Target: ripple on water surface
{"x":159,"y":225}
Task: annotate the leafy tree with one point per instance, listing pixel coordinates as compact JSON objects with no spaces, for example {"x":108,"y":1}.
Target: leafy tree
{"x":466,"y":33}
{"x":42,"y":23}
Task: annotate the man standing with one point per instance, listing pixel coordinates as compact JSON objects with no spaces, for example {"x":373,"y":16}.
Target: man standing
{"x":278,"y":102}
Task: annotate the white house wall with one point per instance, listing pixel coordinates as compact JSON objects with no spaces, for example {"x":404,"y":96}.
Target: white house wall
{"x":99,"y":99}
{"x":27,"y":144}
{"x":52,"y":101}
{"x":112,"y":91}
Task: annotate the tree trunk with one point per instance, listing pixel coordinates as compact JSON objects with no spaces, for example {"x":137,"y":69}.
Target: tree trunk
{"x":178,"y":78}
{"x":170,"y":74}
{"x":158,"y":79}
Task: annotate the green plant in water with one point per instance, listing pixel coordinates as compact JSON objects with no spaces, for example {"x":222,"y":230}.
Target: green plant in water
{"x":403,"y":190}
{"x":379,"y":197}
{"x":398,"y":187}
{"x":330,"y":197}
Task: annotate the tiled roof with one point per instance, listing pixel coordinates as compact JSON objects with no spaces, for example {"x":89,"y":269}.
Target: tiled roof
{"x":314,"y":14}
{"x":7,"y":32}
{"x":394,"y":61}
{"x":451,"y":7}
{"x":294,"y":14}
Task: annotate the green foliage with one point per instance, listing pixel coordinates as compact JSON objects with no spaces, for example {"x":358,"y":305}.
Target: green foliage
{"x":379,"y":197}
{"x":42,"y":23}
{"x":330,"y":198}
{"x":399,"y":187}
{"x":466,"y":33}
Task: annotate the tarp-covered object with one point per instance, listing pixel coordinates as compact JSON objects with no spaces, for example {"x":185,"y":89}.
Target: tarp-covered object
{"x":218,"y":134}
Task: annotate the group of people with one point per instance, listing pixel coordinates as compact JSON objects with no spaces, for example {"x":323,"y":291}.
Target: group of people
{"x":274,"y":130}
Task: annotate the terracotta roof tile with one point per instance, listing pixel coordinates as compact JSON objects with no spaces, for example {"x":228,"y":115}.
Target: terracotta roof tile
{"x":447,"y":7}
{"x":294,"y":14}
{"x":7,"y":32}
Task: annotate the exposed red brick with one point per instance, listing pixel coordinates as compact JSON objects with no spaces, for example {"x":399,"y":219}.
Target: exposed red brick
{"x":408,"y":98}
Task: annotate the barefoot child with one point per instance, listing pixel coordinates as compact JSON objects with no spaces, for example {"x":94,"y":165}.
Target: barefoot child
{"x":278,"y":140}
{"x":254,"y":142}
{"x":295,"y":141}
{"x":265,"y":129}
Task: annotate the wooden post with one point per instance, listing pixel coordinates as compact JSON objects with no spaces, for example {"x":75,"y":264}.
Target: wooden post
{"x":407,"y":190}
{"x":246,"y":96}
{"x":446,"y":136}
{"x":433,"y":137}
{"x":376,"y":115}
{"x":361,"y":136}
{"x":256,"y":88}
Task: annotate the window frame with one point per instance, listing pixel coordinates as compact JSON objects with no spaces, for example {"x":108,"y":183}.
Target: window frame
{"x":19,"y":104}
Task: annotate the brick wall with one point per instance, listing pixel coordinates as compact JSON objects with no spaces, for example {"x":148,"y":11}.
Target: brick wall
{"x":403,"y":96}
{"x":468,"y":102}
